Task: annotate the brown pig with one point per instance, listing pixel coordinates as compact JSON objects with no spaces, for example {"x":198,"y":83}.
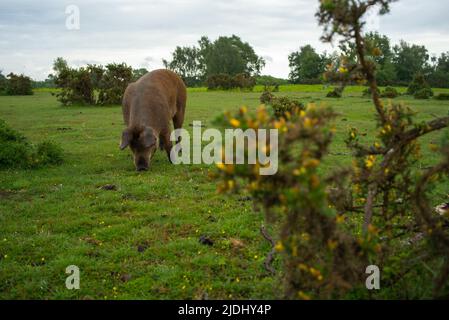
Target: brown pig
{"x":149,"y":105}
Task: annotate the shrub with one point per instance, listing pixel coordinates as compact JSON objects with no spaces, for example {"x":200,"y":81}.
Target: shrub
{"x":266,"y":97}
{"x":113,"y":83}
{"x":282,"y":105}
{"x":442,"y":96}
{"x":224,"y":81}
{"x":419,"y":83}
{"x":219,"y":81}
{"x":425,"y":93}
{"x":390,"y":92}
{"x":336,"y":93}
{"x":17,"y":152}
{"x":48,"y":153}
{"x":243,"y":81}
{"x":368,"y":92}
{"x":18,"y":85}
{"x":76,"y":86}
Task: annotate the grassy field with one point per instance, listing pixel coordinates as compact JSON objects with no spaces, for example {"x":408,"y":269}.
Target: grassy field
{"x":140,"y":241}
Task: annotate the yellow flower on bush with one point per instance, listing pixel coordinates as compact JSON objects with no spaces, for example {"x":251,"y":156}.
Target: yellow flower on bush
{"x":370,"y":161}
{"x":235,"y":123}
{"x":303,"y":296}
{"x":279,"y":247}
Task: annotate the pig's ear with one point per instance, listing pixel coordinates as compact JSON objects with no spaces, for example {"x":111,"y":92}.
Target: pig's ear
{"x":125,"y":139}
{"x":148,"y":137}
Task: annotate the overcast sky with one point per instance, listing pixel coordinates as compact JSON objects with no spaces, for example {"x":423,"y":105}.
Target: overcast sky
{"x":142,"y":32}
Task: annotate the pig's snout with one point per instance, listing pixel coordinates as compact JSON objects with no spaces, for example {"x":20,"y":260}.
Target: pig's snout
{"x":142,"y":165}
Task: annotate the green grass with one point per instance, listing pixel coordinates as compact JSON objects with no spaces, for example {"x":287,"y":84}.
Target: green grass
{"x":141,"y":240}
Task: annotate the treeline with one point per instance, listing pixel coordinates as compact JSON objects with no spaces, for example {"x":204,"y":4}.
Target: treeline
{"x":395,"y":65}
{"x":225,"y":63}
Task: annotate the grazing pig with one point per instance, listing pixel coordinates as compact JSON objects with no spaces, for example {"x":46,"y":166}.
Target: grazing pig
{"x":149,"y":105}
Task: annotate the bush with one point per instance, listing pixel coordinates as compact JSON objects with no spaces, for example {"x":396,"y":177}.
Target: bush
{"x":419,"y":83}
{"x":18,"y":85}
{"x":48,"y":153}
{"x":425,"y":93}
{"x":219,"y":81}
{"x":113,"y":83}
{"x":266,"y":97}
{"x":390,"y":92}
{"x":442,"y":96}
{"x":17,"y":152}
{"x":76,"y":86}
{"x":368,"y":92}
{"x":336,"y":93}
{"x":224,"y":81}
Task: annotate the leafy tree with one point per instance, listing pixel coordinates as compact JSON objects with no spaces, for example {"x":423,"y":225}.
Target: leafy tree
{"x":378,"y":50}
{"x":230,"y":55}
{"x":187,"y":63}
{"x":439,"y":77}
{"x":408,"y":60}
{"x":306,"y":65}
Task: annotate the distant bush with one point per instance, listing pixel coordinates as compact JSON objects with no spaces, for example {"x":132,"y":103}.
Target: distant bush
{"x":425,"y":93}
{"x":336,"y":93}
{"x":224,"y":81}
{"x":442,"y":96}
{"x":389,"y":92}
{"x":76,"y":86}
{"x":79,"y":85}
{"x":282,"y":105}
{"x":266,"y":97}
{"x":113,"y":83}
{"x":368,"y":92}
{"x":418,"y":84}
{"x":18,"y":85}
{"x":17,"y":152}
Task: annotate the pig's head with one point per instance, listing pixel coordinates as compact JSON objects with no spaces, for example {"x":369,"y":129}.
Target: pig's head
{"x":143,"y":143}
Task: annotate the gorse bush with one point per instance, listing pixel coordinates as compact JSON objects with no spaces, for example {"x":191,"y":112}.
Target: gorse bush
{"x":281,"y":106}
{"x":17,"y":152}
{"x":390,"y":93}
{"x":425,"y":93}
{"x":226,"y":82}
{"x":78,"y":86}
{"x":113,"y":83}
{"x":336,"y":93}
{"x":18,"y":85}
{"x":417,"y":85}
{"x":442,"y":96}
{"x":333,"y":225}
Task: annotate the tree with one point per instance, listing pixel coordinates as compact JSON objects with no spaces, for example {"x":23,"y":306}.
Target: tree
{"x":2,"y":82}
{"x":409,"y":60}
{"x":439,"y":77}
{"x":187,"y":63}
{"x":306,"y":65}
{"x":379,"y":50}
{"x":230,"y":55}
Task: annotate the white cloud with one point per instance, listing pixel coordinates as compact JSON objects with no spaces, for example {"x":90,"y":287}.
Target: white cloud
{"x":33,"y":32}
